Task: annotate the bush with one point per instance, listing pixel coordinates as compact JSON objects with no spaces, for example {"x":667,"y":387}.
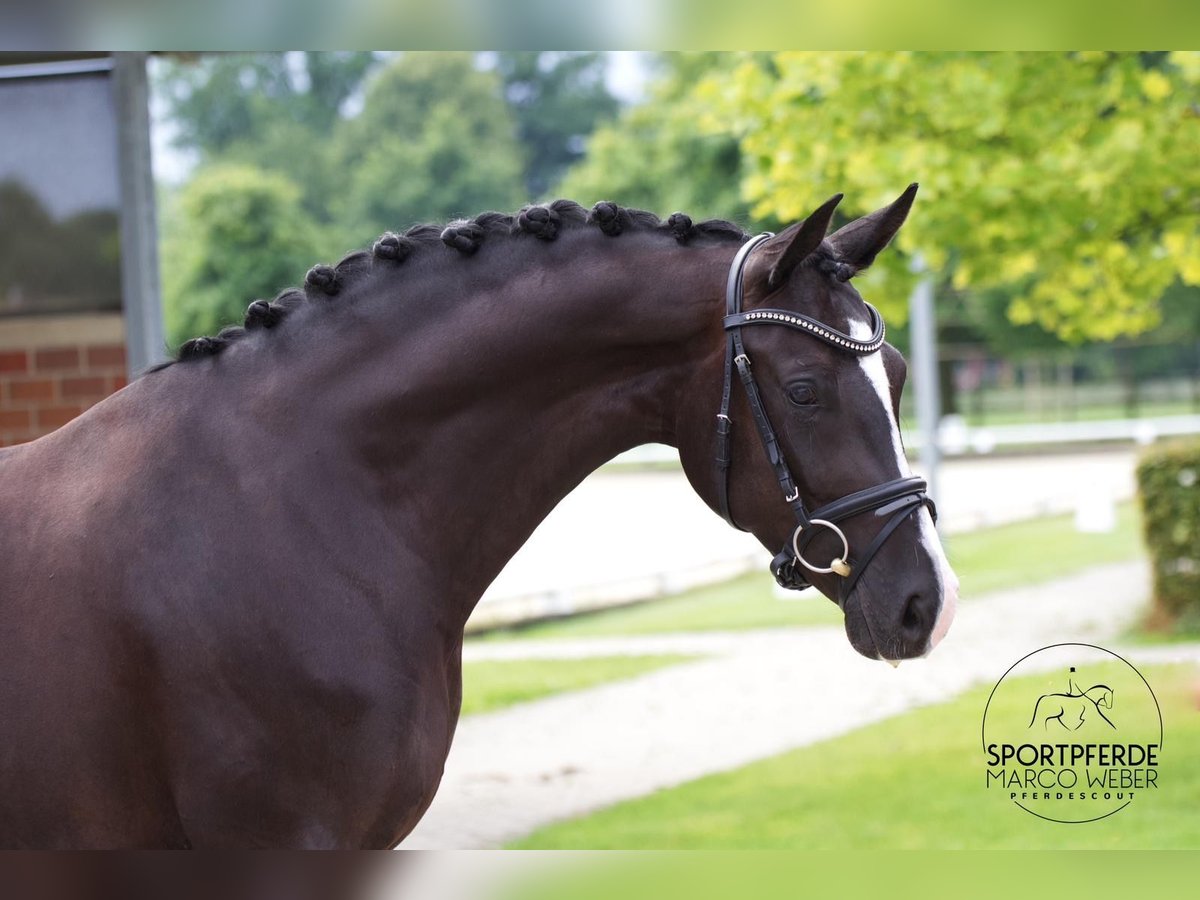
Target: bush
{"x":238,"y":234}
{"x":1169,"y":491}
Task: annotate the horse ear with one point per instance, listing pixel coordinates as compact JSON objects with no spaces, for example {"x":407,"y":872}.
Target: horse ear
{"x":782,"y":253}
{"x":858,"y":243}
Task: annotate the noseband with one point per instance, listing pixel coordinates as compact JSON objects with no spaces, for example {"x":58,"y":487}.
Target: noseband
{"x":894,"y":500}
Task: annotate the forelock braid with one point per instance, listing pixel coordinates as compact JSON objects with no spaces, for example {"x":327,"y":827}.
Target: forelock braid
{"x":834,"y":267}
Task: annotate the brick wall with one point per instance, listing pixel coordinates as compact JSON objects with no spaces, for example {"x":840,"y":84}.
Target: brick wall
{"x":50,"y":374}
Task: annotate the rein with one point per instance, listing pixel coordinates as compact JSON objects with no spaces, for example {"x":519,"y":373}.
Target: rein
{"x":897,"y":499}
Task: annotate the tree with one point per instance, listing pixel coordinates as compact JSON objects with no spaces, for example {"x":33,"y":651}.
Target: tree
{"x":238,"y":234}
{"x":217,"y":101}
{"x":272,"y":111}
{"x":558,"y":98}
{"x":435,"y":140}
{"x":655,"y":157}
{"x":1065,"y":181}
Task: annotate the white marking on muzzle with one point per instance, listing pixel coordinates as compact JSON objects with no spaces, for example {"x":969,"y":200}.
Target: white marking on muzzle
{"x":873,"y":368}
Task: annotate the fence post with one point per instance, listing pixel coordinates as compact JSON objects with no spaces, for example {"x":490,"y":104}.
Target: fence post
{"x":922,"y":324}
{"x":139,"y":233}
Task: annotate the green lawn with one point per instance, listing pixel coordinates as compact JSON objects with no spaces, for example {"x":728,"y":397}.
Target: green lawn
{"x":1039,"y":550}
{"x":914,"y":781}
{"x":987,"y":560}
{"x":1088,"y":413}
{"x":743,"y":602}
{"x":490,"y":685}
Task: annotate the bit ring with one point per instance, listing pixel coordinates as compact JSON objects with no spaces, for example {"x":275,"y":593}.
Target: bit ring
{"x":838,"y":565}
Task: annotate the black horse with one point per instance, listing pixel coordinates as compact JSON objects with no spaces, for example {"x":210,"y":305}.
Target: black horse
{"x":232,"y":596}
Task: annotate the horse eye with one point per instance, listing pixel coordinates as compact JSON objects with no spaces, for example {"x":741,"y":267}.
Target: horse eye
{"x":802,"y":395}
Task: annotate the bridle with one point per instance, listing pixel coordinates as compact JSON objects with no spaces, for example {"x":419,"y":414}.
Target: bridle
{"x":897,"y":499}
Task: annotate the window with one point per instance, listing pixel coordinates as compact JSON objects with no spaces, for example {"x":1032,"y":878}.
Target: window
{"x":59,"y":190}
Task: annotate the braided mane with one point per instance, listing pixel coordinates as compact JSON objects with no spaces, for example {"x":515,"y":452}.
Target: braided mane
{"x":543,"y":222}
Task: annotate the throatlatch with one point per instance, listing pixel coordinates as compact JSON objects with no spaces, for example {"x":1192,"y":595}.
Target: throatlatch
{"x":894,"y":500}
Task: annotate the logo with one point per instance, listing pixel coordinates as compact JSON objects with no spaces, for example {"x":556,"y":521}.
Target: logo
{"x":1072,"y":733}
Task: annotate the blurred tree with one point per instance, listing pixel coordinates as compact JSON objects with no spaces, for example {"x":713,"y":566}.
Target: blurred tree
{"x":235,"y":234}
{"x":558,"y":99}
{"x":655,"y":156}
{"x":273,"y":111}
{"x":435,"y":140}
{"x":1066,"y":181}
{"x":222,"y":99}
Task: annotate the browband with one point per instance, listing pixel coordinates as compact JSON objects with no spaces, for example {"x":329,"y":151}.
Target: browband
{"x":809,"y":325}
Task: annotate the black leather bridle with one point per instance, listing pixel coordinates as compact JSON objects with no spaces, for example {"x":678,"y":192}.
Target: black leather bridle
{"x":897,"y":499}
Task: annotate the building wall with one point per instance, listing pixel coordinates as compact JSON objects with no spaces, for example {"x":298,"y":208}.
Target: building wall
{"x":52,"y":368}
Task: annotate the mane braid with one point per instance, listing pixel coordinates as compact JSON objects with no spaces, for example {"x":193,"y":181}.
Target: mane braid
{"x":545,"y":222}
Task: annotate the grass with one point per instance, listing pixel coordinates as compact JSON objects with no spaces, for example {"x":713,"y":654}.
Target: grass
{"x":740,"y":603}
{"x":992,"y":559}
{"x":489,"y":685}
{"x":913,"y":781}
{"x":1025,"y":553}
{"x":1053,"y":413}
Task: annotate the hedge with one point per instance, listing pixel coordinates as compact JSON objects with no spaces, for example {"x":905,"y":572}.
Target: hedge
{"x":1168,"y":479}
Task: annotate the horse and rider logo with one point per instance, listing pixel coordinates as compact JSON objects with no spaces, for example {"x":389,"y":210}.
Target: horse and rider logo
{"x":1050,"y":737}
{"x":1071,"y":709}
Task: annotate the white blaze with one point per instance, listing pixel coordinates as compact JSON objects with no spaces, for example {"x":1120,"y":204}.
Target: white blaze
{"x":872,"y":366}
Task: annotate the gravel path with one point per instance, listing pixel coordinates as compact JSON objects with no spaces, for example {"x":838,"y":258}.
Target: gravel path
{"x":755,"y":695}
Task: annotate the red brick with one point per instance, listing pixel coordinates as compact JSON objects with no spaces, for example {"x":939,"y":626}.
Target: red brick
{"x":116,"y":382}
{"x":14,"y":419}
{"x":51,"y":417}
{"x":14,"y":361}
{"x":75,"y":388}
{"x":56,"y":358}
{"x":106,"y":356}
{"x":31,"y":389}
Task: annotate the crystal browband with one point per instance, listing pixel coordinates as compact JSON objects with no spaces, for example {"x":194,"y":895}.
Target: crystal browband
{"x":802,"y":322}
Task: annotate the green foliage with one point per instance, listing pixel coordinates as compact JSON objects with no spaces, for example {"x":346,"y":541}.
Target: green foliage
{"x":1169,"y":488}
{"x":1068,"y":181}
{"x":558,"y":99}
{"x":220,"y":100}
{"x":274,"y":111}
{"x":657,"y":157}
{"x":434,"y":141}
{"x":238,"y":234}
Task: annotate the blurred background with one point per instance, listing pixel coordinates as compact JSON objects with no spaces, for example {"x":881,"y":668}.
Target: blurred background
{"x":656,"y":691}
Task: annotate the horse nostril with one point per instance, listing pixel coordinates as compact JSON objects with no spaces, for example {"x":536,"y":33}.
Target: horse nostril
{"x":914,"y":619}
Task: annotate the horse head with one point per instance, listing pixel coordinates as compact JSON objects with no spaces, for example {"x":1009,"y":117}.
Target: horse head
{"x":822,"y":397}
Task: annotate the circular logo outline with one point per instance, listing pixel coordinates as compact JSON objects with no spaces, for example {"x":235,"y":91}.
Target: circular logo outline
{"x":986,"y":706}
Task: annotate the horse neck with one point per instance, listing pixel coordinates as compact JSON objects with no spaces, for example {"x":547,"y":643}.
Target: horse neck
{"x":480,"y":414}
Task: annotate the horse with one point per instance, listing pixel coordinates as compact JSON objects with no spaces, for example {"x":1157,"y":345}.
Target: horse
{"x":233,"y":594}
{"x":1073,"y":708}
